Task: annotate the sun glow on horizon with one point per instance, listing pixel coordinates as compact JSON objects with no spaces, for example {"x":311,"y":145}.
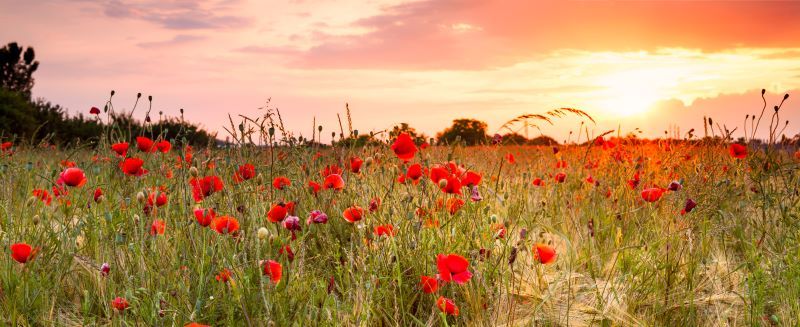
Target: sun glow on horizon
{"x":630,"y":93}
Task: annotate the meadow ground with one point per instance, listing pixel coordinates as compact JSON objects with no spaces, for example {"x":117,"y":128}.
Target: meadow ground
{"x":393,"y":245}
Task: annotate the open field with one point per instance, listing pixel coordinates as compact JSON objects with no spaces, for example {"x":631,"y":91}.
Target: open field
{"x":625,"y":253}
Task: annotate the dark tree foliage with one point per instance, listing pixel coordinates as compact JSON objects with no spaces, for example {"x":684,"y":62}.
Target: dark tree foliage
{"x":542,"y":140}
{"x":418,"y":138}
{"x":16,"y":68}
{"x":469,"y":131}
{"x":41,"y":120}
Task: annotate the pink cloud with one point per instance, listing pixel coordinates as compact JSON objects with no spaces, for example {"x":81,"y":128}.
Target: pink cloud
{"x":427,"y":34}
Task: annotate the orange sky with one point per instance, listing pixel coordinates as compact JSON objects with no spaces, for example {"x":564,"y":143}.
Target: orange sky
{"x":646,"y":64}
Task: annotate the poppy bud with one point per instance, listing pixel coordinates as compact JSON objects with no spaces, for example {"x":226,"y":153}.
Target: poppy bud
{"x":112,"y":93}
{"x":31,"y":201}
{"x":36,"y":219}
{"x":263,"y":233}
{"x":101,"y":198}
{"x":368,"y":161}
{"x":140,"y":197}
{"x":193,"y":171}
{"x":138,"y":95}
{"x":149,"y":98}
{"x":442,"y":183}
{"x":259,"y":179}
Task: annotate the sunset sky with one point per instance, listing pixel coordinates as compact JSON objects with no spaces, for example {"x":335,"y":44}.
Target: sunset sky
{"x":646,"y":64}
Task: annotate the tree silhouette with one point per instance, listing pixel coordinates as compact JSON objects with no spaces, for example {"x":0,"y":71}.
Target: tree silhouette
{"x":418,"y":138}
{"x":470,"y":131}
{"x":16,"y":68}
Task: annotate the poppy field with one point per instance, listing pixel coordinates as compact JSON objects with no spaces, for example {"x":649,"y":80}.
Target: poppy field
{"x":614,"y":231}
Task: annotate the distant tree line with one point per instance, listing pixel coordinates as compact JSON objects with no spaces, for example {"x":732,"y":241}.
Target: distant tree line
{"x":38,"y":120}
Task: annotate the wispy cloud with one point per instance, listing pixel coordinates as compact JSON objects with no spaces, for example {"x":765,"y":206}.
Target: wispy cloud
{"x":176,"y":40}
{"x":176,"y":14}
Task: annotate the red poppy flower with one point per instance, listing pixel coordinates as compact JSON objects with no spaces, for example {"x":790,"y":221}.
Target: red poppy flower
{"x":287,"y":250}
{"x":537,"y":182}
{"x":544,"y":253}
{"x":447,"y":306}
{"x":560,"y":177}
{"x":158,"y":227}
{"x":314,"y":187}
{"x":225,"y":225}
{"x":453,"y":185}
{"x":164,"y":146}
{"x":385,"y":230}
{"x":6,"y":146}
{"x":438,"y":173}
{"x":428,"y":284}
{"x":72,"y":177}
{"x":94,"y":111}
{"x":132,"y":167}
{"x":317,"y":217}
{"x":194,"y":324}
{"x":453,"y":267}
{"x":22,"y":252}
{"x":224,"y":275}
{"x":97,"y":194}
{"x":414,"y":172}
{"x":561,"y":164}
{"x":454,"y":204}
{"x":145,"y":144}
{"x":281,"y":182}
{"x":404,"y":147}
{"x":333,"y":181}
{"x":689,"y":206}
{"x":205,"y":187}
{"x":245,"y":172}
{"x":355,"y":164}
{"x":374,"y":204}
{"x":510,"y":158}
{"x":471,"y":178}
{"x":633,"y":183}
{"x":277,"y":213}
{"x":204,"y":216}
{"x":120,"y":303}
{"x":43,"y":195}
{"x":652,"y":194}
{"x":274,"y":270}
{"x":738,"y":151}
{"x":353,"y":214}
{"x":120,"y":148}
{"x":157,"y":198}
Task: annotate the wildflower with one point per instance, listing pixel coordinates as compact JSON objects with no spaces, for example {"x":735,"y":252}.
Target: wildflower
{"x":72,"y":177}
{"x":204,"y":216}
{"x":94,"y":111}
{"x":471,"y":178}
{"x":98,"y":194}
{"x":205,"y":187}
{"x":224,"y":275}
{"x":355,"y":164}
{"x":404,"y":147}
{"x":22,"y":252}
{"x":652,"y":194}
{"x":262,"y":233}
{"x":510,"y":158}
{"x":317,"y":217}
{"x":164,"y":146}
{"x":414,"y":173}
{"x":675,"y":186}
{"x":537,"y":182}
{"x":384,"y":230}
{"x":120,"y":303}
{"x":105,"y":268}
{"x":560,"y":177}
{"x":274,"y":270}
{"x":333,"y":181}
{"x":225,"y":225}
{"x":689,"y":206}
{"x":132,"y":166}
{"x":145,"y":144}
{"x":453,"y":267}
{"x":245,"y":172}
{"x":287,"y":250}
{"x":738,"y":151}
{"x":314,"y":187}
{"x":281,"y":182}
{"x":158,"y":227}
{"x":447,"y":306}
{"x":353,"y":214}
{"x":374,"y":203}
{"x":292,"y":223}
{"x":121,"y":149}
{"x":454,"y":204}
{"x":544,"y":253}
{"x":475,"y":196}
{"x":429,"y":284}
{"x":277,"y":212}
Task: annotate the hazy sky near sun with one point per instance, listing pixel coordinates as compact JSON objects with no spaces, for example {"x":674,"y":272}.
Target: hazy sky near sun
{"x":645,"y":64}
